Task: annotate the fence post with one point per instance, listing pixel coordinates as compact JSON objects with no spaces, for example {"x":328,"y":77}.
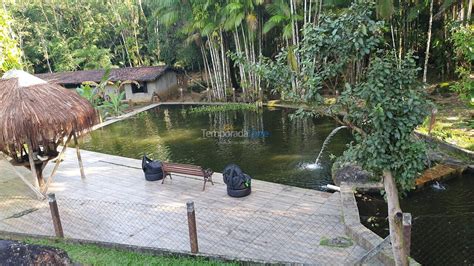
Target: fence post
{"x":407,"y":232}
{"x":192,"y":227}
{"x":53,"y":206}
{"x":233,"y":94}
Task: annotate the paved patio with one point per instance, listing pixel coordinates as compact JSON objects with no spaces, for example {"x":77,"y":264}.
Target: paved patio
{"x":115,"y":204}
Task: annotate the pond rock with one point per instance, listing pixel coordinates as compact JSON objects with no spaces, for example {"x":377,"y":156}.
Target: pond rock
{"x":17,"y":253}
{"x":350,"y":174}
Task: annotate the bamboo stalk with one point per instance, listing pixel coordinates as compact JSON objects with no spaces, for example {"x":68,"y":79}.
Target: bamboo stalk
{"x":79,"y":158}
{"x":428,"y":43}
{"x":56,"y":166}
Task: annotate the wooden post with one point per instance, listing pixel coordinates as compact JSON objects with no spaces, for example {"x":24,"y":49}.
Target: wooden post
{"x":407,"y":232}
{"x":56,"y":166}
{"x":192,"y":227}
{"x":37,"y":180}
{"x":53,"y":206}
{"x":233,"y":94}
{"x":395,"y":216}
{"x":79,"y":158}
{"x":208,"y":95}
{"x":181,"y":94}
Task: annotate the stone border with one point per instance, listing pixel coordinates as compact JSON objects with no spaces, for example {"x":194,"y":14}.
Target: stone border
{"x":146,"y":108}
{"x":139,"y":249}
{"x":357,"y":231}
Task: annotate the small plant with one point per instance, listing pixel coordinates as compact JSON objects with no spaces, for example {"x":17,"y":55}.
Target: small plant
{"x":115,"y":105}
{"x":90,"y":93}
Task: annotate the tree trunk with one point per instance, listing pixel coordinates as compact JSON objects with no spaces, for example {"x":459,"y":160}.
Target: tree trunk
{"x":428,"y":42}
{"x":395,"y":216}
{"x":469,"y":12}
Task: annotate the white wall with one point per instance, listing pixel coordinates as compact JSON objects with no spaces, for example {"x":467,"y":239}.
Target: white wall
{"x":166,"y":85}
{"x":109,"y":89}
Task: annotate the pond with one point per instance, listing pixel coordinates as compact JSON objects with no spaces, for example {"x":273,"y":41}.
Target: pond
{"x":267,"y":144}
{"x":275,"y":148}
{"x":443,"y":221}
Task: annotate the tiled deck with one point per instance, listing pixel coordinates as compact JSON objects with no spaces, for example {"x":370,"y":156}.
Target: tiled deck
{"x":115,"y":204}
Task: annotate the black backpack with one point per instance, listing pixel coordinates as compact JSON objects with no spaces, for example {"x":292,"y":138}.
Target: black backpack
{"x":153,"y":169}
{"x":235,"y":178}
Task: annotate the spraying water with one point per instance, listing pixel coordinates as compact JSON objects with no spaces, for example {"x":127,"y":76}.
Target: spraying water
{"x":438,"y":186}
{"x":315,"y":165}
{"x":326,"y":142}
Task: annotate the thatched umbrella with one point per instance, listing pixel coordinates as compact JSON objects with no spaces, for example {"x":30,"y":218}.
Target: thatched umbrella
{"x":35,"y":117}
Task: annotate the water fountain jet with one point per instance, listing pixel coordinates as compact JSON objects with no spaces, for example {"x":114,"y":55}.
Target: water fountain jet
{"x":316,"y":165}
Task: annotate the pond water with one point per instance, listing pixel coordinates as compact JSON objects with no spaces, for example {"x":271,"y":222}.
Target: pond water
{"x":443,"y":221}
{"x":268,"y":145}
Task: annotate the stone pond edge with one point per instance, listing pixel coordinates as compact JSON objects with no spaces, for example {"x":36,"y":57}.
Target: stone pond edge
{"x":357,"y":231}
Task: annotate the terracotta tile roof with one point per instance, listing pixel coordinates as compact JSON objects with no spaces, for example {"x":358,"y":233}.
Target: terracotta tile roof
{"x":147,"y":73}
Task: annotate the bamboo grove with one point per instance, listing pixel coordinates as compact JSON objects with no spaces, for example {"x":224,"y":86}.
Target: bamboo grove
{"x":202,"y":35}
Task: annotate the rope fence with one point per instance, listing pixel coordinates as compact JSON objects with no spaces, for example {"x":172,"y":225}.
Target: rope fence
{"x":271,"y":236}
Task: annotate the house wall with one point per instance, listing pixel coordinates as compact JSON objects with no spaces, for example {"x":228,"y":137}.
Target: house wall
{"x":164,"y":86}
{"x":109,"y":89}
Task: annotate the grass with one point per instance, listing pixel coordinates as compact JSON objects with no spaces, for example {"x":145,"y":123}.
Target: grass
{"x":454,"y":122}
{"x":89,"y":254}
{"x":221,"y":108}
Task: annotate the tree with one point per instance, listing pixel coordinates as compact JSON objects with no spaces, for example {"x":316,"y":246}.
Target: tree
{"x":383,"y":110}
{"x":241,"y":17}
{"x":10,"y":54}
{"x":330,"y":54}
{"x":463,"y":39}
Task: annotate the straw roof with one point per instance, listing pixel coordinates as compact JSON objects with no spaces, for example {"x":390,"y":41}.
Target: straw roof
{"x":32,"y":109}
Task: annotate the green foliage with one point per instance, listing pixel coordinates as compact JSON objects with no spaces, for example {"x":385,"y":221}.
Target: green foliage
{"x":463,"y":39}
{"x":90,"y":93}
{"x":92,"y":57}
{"x":222,"y":108}
{"x":110,"y":104}
{"x":95,"y":92}
{"x":71,"y":34}
{"x":388,"y":105}
{"x":280,"y":17}
{"x":114,"y":106}
{"x":9,"y":52}
{"x":324,"y":55}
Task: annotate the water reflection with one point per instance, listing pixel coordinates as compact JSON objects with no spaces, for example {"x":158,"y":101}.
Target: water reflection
{"x":169,"y":134}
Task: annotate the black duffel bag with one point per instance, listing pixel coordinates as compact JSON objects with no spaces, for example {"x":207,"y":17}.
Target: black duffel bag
{"x":153,"y":169}
{"x":238,"y":183}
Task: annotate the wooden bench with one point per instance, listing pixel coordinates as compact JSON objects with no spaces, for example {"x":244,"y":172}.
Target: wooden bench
{"x":187,"y":169}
